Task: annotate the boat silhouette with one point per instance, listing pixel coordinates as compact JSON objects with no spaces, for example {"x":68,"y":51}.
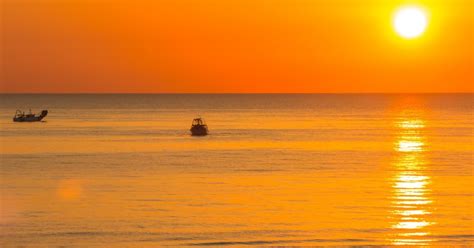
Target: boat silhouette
{"x":20,"y":116}
{"x":199,"y":127}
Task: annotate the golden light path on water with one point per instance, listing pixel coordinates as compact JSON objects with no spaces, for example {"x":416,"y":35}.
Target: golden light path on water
{"x":411,"y":185}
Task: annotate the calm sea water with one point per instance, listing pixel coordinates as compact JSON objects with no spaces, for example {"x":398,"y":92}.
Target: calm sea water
{"x":276,"y":170}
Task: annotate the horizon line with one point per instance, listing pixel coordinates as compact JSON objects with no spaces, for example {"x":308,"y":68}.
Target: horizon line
{"x":231,"y":93}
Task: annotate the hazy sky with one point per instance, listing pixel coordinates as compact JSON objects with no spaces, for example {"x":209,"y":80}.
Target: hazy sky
{"x":232,"y":46}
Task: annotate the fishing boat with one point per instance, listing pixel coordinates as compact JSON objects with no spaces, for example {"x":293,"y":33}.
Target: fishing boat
{"x":20,"y":116}
{"x":199,"y":127}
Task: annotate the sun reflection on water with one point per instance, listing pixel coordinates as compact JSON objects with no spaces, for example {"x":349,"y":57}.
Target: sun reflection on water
{"x":410,"y":145}
{"x":411,"y":186}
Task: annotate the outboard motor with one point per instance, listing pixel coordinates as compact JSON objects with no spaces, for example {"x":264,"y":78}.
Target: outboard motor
{"x":44,"y":113}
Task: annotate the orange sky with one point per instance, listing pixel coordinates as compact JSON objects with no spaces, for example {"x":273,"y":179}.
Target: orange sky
{"x":153,"y":46}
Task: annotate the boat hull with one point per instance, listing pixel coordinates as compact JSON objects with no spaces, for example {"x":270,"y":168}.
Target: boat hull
{"x":28,"y":119}
{"x":199,"y":131}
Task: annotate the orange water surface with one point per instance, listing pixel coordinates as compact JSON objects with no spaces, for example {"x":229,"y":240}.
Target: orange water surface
{"x":276,"y":170}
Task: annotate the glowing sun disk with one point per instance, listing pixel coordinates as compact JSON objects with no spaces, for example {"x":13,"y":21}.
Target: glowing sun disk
{"x":410,"y":22}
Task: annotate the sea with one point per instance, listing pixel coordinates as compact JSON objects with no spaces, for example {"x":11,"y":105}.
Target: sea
{"x":341,"y":170}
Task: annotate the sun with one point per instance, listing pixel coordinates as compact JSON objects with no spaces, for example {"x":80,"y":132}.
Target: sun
{"x":410,"y":22}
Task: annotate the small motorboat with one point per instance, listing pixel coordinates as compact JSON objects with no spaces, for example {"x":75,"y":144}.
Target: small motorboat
{"x":20,"y":116}
{"x":199,"y":127}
